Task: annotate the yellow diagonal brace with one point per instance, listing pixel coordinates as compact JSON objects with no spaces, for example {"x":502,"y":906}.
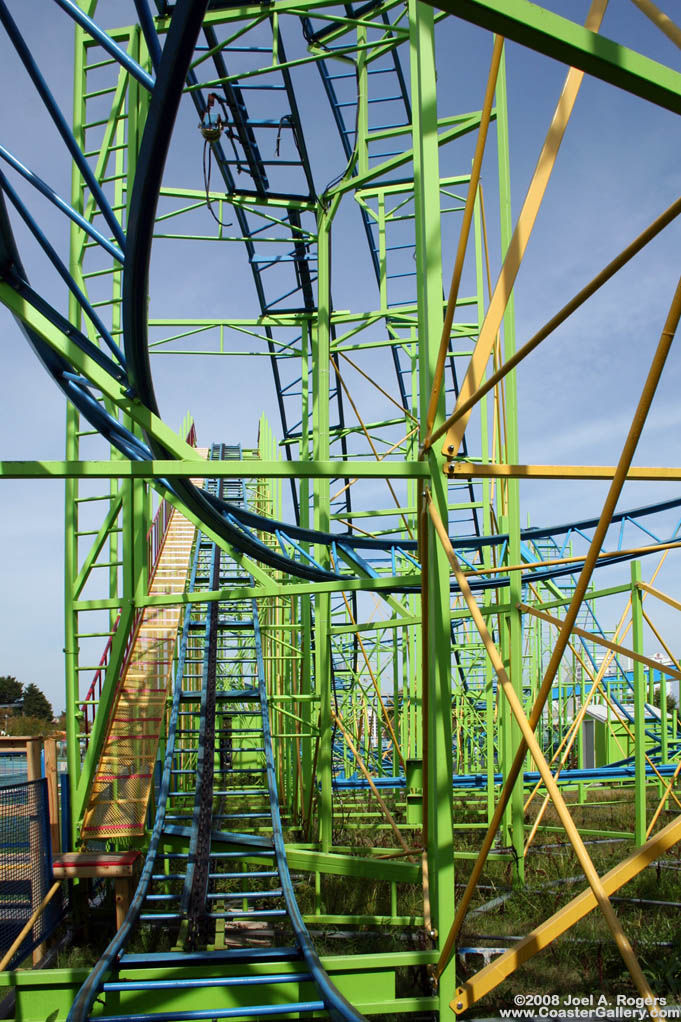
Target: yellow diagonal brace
{"x":623,"y":945}
{"x":601,"y":641}
{"x":614,"y":491}
{"x":601,"y":278}
{"x":521,"y":236}
{"x":543,"y":935}
{"x":28,"y":926}
{"x":464,"y":233}
{"x":660,"y":596}
{"x":662,"y":20}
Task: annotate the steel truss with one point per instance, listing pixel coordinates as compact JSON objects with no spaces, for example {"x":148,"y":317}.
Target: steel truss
{"x":413,"y":643}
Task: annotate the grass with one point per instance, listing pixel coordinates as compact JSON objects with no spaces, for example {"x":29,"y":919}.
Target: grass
{"x":585,"y":959}
{"x":581,"y":962}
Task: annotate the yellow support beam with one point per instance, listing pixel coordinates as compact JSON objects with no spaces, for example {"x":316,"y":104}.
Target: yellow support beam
{"x":557,"y":924}
{"x":660,"y":596}
{"x":527,"y":729}
{"x":466,"y":470}
{"x":600,"y":641}
{"x":519,"y":242}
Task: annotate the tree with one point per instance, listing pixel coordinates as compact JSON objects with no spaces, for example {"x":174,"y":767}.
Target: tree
{"x":36,"y":704}
{"x":10,"y":689}
{"x":657,"y":699}
{"x":31,"y":726}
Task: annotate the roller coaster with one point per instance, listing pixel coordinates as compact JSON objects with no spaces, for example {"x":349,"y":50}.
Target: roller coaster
{"x":317,"y":680}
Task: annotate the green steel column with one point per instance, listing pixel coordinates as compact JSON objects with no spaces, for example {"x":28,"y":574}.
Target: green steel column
{"x":70,"y":616}
{"x":664,"y":717}
{"x":412,"y":635}
{"x":71,"y":485}
{"x":511,"y":634}
{"x":140,"y":526}
{"x":438,"y":754}
{"x":115,"y":548}
{"x":305,"y":602}
{"x":396,"y":721}
{"x":321,"y":341}
{"x":639,"y":706}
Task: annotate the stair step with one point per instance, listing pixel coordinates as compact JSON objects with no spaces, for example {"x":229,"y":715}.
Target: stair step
{"x":256,"y":913}
{"x":251,"y":895}
{"x":222,"y":957}
{"x":202,"y":982}
{"x":217,"y":1013}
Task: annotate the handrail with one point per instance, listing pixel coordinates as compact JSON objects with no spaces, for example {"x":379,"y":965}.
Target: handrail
{"x":89,"y":703}
{"x":155,"y":538}
{"x":156,"y":533}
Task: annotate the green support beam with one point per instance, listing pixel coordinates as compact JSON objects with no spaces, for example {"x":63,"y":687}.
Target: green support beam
{"x":200,"y":469}
{"x":565,"y":40}
{"x":309,"y":632}
{"x":436,"y":750}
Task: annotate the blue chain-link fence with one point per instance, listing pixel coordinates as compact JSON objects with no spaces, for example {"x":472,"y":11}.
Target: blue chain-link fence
{"x":25,"y":867}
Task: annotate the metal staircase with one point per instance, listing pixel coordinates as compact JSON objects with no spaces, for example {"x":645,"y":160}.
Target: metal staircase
{"x":122,"y":782}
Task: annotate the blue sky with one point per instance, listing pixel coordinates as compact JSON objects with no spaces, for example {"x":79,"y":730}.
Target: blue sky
{"x":618,"y":168}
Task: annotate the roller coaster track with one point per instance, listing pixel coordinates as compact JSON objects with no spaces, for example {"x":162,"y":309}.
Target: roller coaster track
{"x":215,"y":879}
{"x":123,"y":374}
{"x":353,"y":556}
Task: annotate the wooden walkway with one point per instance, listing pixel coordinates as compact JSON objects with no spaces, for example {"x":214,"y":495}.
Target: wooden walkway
{"x":124,"y":776}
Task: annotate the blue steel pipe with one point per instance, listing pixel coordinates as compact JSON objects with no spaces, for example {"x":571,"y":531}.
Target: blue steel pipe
{"x":61,"y":204}
{"x":215,"y":981}
{"x":165,"y":99}
{"x":61,"y":269}
{"x":106,"y":42}
{"x":60,"y":121}
{"x":149,"y":32}
{"x":215,"y":1013}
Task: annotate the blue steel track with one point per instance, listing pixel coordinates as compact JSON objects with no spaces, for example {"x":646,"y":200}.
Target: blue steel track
{"x":228,"y":518}
{"x":238,"y":526}
{"x":184,"y":892}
